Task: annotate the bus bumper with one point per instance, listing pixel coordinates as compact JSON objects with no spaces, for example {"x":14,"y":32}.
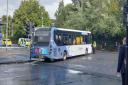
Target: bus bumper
{"x":39,"y":56}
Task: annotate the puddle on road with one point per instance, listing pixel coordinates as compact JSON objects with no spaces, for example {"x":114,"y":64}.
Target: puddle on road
{"x":89,"y":58}
{"x":74,"y":71}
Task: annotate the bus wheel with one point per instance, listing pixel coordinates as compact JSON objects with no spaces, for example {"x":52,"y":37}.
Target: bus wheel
{"x":86,"y":51}
{"x":65,"y":56}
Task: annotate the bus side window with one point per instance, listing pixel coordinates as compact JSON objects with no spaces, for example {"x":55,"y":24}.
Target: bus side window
{"x":56,"y":38}
{"x":65,"y":39}
{"x":86,"y":39}
{"x":70,"y":40}
{"x":74,"y":40}
{"x":78,"y":40}
{"x":60,"y":42}
{"x":83,"y":40}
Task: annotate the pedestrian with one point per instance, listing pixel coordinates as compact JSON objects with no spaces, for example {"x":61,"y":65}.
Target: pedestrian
{"x":122,"y":62}
{"x":94,"y":47}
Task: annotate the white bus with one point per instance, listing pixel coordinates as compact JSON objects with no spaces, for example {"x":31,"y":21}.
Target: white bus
{"x":59,"y":43}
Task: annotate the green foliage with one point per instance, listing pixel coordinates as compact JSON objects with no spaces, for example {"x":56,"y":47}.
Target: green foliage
{"x":4,"y":20}
{"x":29,"y":10}
{"x":102,"y":17}
{"x":60,"y":15}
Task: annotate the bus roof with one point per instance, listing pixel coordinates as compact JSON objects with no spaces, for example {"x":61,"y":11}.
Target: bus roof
{"x":39,"y":28}
{"x":63,"y":29}
{"x":73,"y":30}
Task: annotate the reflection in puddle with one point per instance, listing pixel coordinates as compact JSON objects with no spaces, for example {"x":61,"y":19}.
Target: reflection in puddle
{"x":74,"y":71}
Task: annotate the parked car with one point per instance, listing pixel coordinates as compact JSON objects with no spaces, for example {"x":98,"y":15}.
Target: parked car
{"x":7,"y":42}
{"x":24,"y":42}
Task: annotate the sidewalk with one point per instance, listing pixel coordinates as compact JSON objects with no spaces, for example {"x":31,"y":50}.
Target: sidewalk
{"x":14,"y":55}
{"x":8,"y":59}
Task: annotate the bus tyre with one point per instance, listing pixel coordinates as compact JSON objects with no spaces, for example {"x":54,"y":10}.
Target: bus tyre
{"x":65,"y":56}
{"x":86,"y":51}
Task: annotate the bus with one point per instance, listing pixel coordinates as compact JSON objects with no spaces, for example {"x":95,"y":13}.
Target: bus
{"x":58,"y":43}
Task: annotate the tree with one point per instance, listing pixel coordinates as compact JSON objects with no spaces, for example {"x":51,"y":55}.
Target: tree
{"x":102,"y":17}
{"x":60,"y":15}
{"x":29,"y":11}
{"x":4,"y":21}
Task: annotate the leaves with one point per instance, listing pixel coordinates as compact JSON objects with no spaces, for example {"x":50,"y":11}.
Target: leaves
{"x":102,"y":17}
{"x":29,"y":10}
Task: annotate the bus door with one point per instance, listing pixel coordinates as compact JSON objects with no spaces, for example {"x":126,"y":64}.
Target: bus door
{"x":59,"y":44}
{"x":70,"y":46}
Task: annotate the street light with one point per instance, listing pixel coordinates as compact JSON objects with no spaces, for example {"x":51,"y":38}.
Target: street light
{"x":7,"y":25}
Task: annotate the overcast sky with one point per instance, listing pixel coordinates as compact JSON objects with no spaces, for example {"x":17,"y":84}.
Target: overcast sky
{"x":50,"y":5}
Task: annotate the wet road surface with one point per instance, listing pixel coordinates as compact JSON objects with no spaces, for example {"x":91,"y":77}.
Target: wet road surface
{"x":94,"y":69}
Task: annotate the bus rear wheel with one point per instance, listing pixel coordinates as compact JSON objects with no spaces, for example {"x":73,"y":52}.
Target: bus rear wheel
{"x":64,"y":56}
{"x":86,"y":51}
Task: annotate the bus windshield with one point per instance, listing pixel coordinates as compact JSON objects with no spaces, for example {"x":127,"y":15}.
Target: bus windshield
{"x":42,"y":37}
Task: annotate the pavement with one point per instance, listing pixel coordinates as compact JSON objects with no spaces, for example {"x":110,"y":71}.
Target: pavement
{"x":14,"y":55}
{"x":94,"y":69}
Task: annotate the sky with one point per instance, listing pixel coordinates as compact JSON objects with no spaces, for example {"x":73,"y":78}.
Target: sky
{"x":50,"y":6}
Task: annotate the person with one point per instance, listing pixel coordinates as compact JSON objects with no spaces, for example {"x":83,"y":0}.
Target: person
{"x":122,"y":62}
{"x":94,"y":46}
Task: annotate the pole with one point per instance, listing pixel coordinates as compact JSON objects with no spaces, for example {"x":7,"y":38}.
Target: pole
{"x":12,"y":28}
{"x":32,"y":37}
{"x":7,"y":26}
{"x":126,"y":76}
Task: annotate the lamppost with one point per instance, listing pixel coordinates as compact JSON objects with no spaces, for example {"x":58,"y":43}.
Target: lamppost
{"x":7,"y":25}
{"x":126,"y":25}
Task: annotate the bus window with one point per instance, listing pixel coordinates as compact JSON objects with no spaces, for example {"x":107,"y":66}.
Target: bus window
{"x":58,"y":39}
{"x":60,"y":42}
{"x":42,"y":37}
{"x":74,"y":40}
{"x":78,"y":40}
{"x":81,"y":39}
{"x":87,"y":39}
{"x":70,"y":40}
{"x":65,"y":39}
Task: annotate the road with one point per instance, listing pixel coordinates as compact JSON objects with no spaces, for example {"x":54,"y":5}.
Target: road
{"x":94,"y":69}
